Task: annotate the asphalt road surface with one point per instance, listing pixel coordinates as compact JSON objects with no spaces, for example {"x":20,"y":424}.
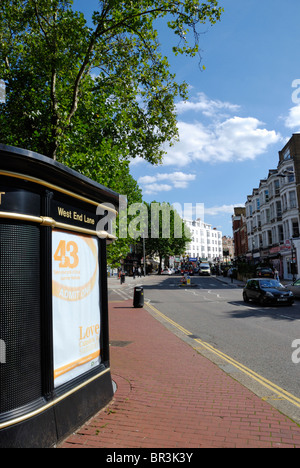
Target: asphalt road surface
{"x":259,"y":338}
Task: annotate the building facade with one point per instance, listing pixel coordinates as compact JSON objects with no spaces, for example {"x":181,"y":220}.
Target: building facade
{"x":272,"y":214}
{"x":240,"y":237}
{"x":228,"y":248}
{"x":206,"y":241}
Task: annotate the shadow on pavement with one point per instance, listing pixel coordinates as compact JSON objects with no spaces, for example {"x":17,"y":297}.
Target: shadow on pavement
{"x":280,"y":312}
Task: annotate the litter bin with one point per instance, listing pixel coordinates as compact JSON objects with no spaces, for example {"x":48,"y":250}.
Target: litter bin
{"x":138,"y":298}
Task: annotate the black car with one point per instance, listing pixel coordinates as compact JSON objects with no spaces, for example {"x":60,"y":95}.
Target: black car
{"x":267,"y":291}
{"x":264,"y":272}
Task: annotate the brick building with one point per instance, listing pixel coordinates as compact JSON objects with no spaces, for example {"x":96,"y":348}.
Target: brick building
{"x":239,"y":229}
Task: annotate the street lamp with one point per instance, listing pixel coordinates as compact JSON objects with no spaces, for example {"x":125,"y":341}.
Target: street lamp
{"x":293,"y":262}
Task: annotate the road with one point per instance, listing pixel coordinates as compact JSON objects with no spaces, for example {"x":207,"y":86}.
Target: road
{"x":256,"y":341}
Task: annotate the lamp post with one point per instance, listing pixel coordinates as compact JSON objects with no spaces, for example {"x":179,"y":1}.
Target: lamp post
{"x":144,"y":254}
{"x":293,"y":262}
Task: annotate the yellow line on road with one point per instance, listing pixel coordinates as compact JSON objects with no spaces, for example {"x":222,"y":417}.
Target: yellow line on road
{"x":266,"y":383}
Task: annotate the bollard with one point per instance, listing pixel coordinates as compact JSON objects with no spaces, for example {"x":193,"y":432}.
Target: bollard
{"x":138,"y":298}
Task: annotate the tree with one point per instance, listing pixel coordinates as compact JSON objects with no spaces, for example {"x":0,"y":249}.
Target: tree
{"x":106,"y":168}
{"x":167,"y":233}
{"x":48,"y":52}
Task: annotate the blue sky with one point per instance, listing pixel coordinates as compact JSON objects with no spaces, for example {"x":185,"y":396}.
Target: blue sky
{"x":240,"y":111}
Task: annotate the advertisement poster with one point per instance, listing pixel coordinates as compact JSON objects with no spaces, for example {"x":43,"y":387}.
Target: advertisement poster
{"x":76,"y":305}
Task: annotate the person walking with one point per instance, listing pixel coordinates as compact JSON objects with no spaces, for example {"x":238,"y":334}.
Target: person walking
{"x":276,"y":275}
{"x":230,"y":274}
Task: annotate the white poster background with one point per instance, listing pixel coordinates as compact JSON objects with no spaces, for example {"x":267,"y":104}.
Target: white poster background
{"x":76,"y":305}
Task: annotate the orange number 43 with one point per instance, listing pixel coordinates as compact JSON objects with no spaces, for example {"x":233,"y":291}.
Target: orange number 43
{"x":67,"y":254}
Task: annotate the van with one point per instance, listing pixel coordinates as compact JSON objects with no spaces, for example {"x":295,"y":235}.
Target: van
{"x":204,"y":269}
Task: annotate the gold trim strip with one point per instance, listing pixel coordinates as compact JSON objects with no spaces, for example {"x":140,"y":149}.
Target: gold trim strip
{"x":52,"y":403}
{"x":46,"y":221}
{"x":20,"y":217}
{"x":58,"y":189}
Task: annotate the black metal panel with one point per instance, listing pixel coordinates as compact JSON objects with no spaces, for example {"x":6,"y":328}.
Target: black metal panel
{"x":30,"y":415}
{"x":20,"y":328}
{"x":17,"y":200}
{"x":39,"y":166}
{"x":52,"y":425}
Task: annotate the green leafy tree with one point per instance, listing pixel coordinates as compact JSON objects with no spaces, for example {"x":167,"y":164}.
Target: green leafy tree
{"x":54,"y":104}
{"x":167,"y":233}
{"x":108,"y":170}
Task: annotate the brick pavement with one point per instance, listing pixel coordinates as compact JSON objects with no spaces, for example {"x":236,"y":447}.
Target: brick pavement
{"x":169,"y":396}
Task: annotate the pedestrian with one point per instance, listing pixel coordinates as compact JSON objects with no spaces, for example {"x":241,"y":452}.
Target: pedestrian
{"x":230,"y":274}
{"x":139,"y":272}
{"x":133,"y":271}
{"x":276,"y":275}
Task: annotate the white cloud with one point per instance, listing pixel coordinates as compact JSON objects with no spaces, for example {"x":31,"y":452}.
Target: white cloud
{"x":152,"y":184}
{"x":224,"y":209}
{"x":219,"y":134}
{"x":205,"y":105}
{"x":293,"y":119}
{"x":155,"y":188}
{"x":233,"y":139}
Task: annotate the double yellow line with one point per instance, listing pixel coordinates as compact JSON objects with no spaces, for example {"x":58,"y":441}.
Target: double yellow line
{"x":280,"y":392}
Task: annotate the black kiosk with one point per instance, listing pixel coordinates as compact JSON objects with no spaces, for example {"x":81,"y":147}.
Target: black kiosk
{"x":54,"y":343}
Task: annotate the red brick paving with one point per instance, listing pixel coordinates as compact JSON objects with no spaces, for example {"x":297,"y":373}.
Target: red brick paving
{"x":169,"y":396}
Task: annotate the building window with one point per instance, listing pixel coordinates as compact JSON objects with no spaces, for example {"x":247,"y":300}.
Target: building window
{"x":278,"y":209}
{"x":295,"y":228}
{"x":280,"y":233}
{"x":287,"y":230}
{"x":284,"y":202}
{"x":291,"y":176}
{"x":292,"y":199}
{"x":266,"y":196}
{"x":270,"y":238}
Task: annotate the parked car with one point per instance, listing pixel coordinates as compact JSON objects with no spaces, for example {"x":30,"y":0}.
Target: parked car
{"x":264,"y":272}
{"x":294,"y":287}
{"x":267,"y":291}
{"x":204,"y":269}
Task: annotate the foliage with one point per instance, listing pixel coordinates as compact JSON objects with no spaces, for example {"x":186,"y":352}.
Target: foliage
{"x":95,"y":95}
{"x":108,"y":170}
{"x":167,"y":232}
{"x":54,"y":103}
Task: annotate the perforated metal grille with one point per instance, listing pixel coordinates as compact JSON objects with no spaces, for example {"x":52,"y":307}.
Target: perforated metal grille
{"x":20,"y":375}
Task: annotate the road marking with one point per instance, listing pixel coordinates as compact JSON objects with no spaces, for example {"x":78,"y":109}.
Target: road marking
{"x":281,"y":393}
{"x":121,"y":293}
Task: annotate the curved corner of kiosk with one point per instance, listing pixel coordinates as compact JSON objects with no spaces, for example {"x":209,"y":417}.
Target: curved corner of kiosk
{"x":54,"y":343}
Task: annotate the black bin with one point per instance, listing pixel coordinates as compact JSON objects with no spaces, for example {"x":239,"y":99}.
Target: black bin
{"x":138,"y":298}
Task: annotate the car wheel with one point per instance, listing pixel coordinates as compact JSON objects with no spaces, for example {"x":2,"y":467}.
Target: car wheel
{"x":245,"y":297}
